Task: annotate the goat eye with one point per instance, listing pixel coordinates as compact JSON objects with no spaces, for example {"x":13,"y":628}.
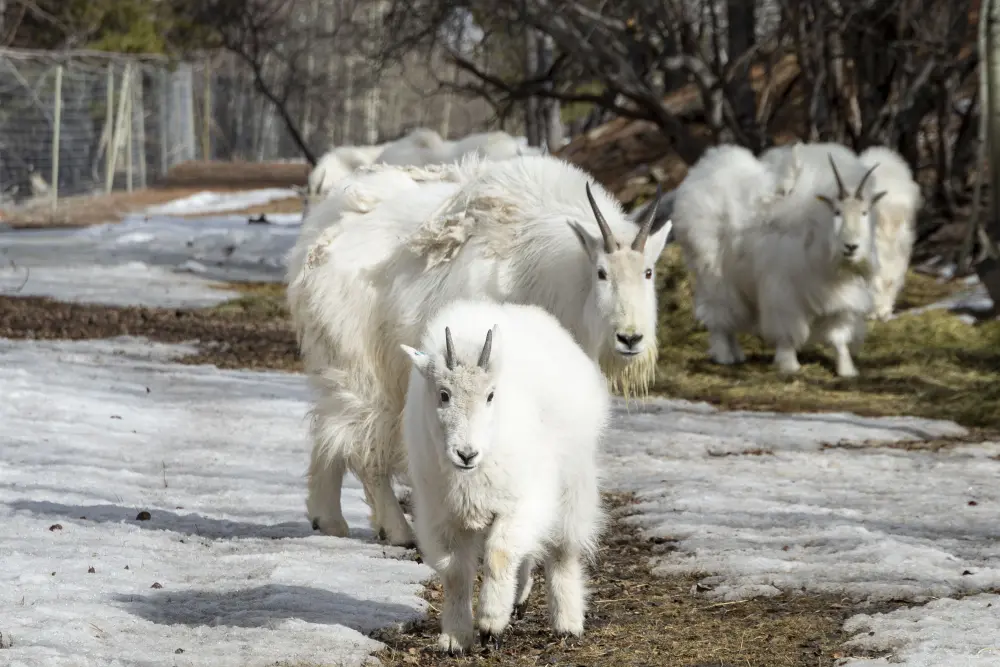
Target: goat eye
{"x":649,"y":274}
{"x":445,"y":397}
{"x":602,"y":274}
{"x":489,"y":399}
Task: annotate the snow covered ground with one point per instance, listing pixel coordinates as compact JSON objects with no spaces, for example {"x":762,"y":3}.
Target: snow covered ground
{"x":95,"y":432}
{"x":226,"y":570}
{"x":220,"y":202}
{"x":156,"y":260}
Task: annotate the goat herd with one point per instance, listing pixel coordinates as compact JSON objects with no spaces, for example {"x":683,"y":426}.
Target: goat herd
{"x":462,"y":322}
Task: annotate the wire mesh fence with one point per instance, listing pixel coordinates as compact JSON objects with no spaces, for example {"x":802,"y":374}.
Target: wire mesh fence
{"x":78,"y":124}
{"x":87,"y":122}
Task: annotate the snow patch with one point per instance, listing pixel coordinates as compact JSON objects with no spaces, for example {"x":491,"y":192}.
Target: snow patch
{"x":220,"y":202}
{"x":226,"y":570}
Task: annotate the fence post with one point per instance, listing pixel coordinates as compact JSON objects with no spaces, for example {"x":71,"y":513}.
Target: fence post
{"x":109,"y":131}
{"x":129,"y":143}
{"x":56,"y":126}
{"x":140,"y":124}
{"x":206,"y":114}
{"x":116,"y":137}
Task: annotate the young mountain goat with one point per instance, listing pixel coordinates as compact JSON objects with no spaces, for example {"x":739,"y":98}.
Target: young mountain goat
{"x":334,"y":166}
{"x":896,"y":224}
{"x":502,"y":456}
{"x":527,"y":230}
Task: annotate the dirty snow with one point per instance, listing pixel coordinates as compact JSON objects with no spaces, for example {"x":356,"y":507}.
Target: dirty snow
{"x":162,"y":261}
{"x":219,"y":202}
{"x":95,"y":432}
{"x":759,"y":500}
{"x":966,"y":303}
{"x":128,"y":284}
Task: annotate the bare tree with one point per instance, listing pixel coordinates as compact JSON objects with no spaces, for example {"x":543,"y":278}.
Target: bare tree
{"x":278,"y":41}
{"x":989,"y":269}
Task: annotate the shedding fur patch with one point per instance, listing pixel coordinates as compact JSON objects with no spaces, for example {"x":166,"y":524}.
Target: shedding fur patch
{"x":446,"y":232}
{"x":319,"y":247}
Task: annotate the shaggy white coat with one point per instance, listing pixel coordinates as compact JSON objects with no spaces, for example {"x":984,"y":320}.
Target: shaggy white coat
{"x":895,"y":229}
{"x":781,"y":271}
{"x":422,"y":150}
{"x":519,"y":230}
{"x":530,"y":422}
{"x":727,"y":192}
{"x":333,"y":167}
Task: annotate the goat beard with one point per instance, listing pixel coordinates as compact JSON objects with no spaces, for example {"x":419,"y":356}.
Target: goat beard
{"x":629,"y":376}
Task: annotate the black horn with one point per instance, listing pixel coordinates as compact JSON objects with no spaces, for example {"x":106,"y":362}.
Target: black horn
{"x":449,"y":349}
{"x":610,"y":242}
{"x":861,"y":185}
{"x":639,"y":243}
{"x":484,"y":356}
{"x":841,"y":190}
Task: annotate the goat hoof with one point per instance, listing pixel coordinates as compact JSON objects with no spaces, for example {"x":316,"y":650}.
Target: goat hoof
{"x":381,"y":534}
{"x":488,"y":640}
{"x":315,"y":524}
{"x":520,"y":610}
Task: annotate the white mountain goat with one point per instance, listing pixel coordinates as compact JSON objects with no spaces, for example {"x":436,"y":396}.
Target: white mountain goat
{"x":333,"y":167}
{"x":810,"y":273}
{"x":487,"y":145}
{"x":895,"y":227}
{"x":410,"y":149}
{"x":503,"y":417}
{"x":527,"y":230}
{"x":725,"y":193}
{"x":798,"y":268}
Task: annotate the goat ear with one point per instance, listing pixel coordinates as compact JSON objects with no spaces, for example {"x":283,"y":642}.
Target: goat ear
{"x":877,"y":196}
{"x":588,"y":242}
{"x":421,"y":361}
{"x":826,"y":200}
{"x":656,"y":242}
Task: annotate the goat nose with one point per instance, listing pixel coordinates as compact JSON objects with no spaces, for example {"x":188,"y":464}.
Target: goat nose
{"x":467,"y":455}
{"x":850,"y":248}
{"x":629,"y":340}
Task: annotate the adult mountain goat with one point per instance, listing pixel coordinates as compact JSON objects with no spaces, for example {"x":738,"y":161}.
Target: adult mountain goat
{"x":528,"y":230}
{"x":725,"y":193}
{"x":800,"y":271}
{"x":896,"y":224}
{"x":503,"y":417}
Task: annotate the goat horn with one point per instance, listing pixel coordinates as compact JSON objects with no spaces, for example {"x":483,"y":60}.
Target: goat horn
{"x":449,"y":350}
{"x":861,"y":185}
{"x":639,"y":244}
{"x":484,"y":356}
{"x":610,"y":242}
{"x":841,"y":190}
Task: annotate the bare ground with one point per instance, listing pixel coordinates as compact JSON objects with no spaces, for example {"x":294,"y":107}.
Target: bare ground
{"x":640,"y":620}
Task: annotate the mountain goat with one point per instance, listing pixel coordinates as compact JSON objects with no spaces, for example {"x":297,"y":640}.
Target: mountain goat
{"x":487,"y":145}
{"x":334,"y":166}
{"x":518,"y":230}
{"x":798,"y":266}
{"x":502,"y":421}
{"x":895,"y":226}
{"x":726,"y":192}
{"x":809,"y":274}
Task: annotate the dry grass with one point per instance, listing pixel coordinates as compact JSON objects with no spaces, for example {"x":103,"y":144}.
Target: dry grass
{"x":929,"y":365}
{"x":637,"y":619}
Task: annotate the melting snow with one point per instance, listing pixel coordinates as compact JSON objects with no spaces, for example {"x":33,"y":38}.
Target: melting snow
{"x":220,"y":202}
{"x":226,"y":570}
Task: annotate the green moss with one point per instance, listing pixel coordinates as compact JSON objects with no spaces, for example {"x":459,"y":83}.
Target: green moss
{"x":258,"y":300}
{"x":930,"y":365}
